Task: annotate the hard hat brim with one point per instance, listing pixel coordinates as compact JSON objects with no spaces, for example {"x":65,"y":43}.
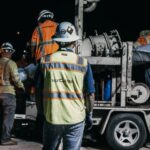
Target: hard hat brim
{"x":12,"y":50}
{"x":46,"y":12}
{"x":72,"y":39}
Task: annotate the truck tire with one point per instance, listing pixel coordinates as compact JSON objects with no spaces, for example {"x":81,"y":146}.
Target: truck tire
{"x":126,"y":132}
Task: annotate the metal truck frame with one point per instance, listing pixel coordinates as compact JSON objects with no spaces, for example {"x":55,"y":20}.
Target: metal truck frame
{"x":125,"y":118}
{"x":125,"y":123}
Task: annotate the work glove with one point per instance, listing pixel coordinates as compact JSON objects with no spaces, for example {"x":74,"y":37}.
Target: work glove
{"x":88,"y":121}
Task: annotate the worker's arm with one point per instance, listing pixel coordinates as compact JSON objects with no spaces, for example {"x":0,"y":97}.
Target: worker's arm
{"x":15,"y":75}
{"x":34,"y":44}
{"x":89,"y":89}
{"x":90,"y":96}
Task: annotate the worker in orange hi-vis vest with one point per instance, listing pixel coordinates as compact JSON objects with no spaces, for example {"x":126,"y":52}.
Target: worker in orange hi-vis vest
{"x":42,"y":45}
{"x":41,"y":42}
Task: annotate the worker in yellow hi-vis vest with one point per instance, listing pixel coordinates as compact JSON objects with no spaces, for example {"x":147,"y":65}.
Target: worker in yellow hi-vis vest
{"x":66,"y":77}
{"x":41,"y":45}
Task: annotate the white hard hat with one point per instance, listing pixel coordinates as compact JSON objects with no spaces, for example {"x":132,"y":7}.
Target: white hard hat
{"x":7,"y":47}
{"x":66,"y":32}
{"x":45,"y":14}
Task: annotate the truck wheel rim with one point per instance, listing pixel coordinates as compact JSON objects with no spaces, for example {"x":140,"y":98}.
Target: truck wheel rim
{"x":126,"y":133}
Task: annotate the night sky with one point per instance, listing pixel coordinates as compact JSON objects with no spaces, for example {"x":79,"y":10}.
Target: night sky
{"x":129,"y":17}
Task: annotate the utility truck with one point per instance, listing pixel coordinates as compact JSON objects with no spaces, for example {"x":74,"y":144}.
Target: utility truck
{"x":121,"y":107}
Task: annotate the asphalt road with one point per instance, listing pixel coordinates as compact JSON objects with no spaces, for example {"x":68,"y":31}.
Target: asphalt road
{"x":28,"y":139}
{"x":29,"y":145}
{"x":87,"y":144}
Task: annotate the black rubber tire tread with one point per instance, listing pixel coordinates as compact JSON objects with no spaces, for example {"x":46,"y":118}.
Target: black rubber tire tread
{"x":115,"y":120}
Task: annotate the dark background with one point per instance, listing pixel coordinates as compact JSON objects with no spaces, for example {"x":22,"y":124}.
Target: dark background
{"x":129,"y":17}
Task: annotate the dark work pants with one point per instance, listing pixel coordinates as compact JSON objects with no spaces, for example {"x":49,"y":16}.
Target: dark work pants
{"x":8,"y":107}
{"x":39,"y":100}
{"x":38,"y":80}
{"x":71,"y":136}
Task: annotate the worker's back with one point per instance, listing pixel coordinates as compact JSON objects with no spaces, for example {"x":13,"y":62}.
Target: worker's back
{"x":8,"y":73}
{"x":41,"y":41}
{"x":63,"y":87}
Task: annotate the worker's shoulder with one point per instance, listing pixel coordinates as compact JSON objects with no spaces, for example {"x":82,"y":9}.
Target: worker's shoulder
{"x":80,"y":60}
{"x":12,"y":62}
{"x":7,"y":60}
{"x":48,"y":23}
{"x":83,"y":58}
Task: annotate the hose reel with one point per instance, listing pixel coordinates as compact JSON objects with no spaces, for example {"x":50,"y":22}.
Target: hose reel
{"x":104,"y":45}
{"x":140,"y":93}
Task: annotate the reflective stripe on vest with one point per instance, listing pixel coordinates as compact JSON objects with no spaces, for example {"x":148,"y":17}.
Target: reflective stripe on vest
{"x":46,"y":42}
{"x":63,"y":88}
{"x":65,"y":66}
{"x":4,"y":79}
{"x":64,"y":95}
{"x":42,"y":39}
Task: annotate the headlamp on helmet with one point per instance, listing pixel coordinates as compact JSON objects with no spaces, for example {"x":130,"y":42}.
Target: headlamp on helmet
{"x":7,"y":48}
{"x":45,"y":14}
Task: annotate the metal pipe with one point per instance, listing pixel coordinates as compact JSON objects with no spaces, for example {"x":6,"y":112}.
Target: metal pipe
{"x":93,"y":4}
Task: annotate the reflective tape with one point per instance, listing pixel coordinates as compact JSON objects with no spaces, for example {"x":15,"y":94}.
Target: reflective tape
{"x":61,"y":96}
{"x":66,"y":66}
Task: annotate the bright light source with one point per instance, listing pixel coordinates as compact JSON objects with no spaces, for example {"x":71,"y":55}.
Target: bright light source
{"x":18,"y":33}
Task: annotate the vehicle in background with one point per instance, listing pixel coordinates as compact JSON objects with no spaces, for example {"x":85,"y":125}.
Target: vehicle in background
{"x":121,"y":108}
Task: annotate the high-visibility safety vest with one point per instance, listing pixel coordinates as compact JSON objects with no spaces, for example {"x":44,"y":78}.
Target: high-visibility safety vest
{"x":144,"y":40}
{"x":9,"y":76}
{"x":63,"y":87}
{"x":42,"y":39}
